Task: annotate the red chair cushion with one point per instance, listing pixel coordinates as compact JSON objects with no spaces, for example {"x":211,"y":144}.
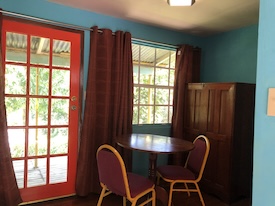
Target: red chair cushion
{"x":138,"y":184}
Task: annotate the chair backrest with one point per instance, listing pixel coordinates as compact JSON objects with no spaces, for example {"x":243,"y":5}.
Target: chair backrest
{"x":112,"y":171}
{"x":197,"y":158}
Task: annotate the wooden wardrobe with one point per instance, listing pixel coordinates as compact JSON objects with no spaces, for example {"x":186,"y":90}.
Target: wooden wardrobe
{"x":224,"y":112}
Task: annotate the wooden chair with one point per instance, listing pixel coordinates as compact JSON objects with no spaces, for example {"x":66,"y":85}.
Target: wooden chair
{"x":114,"y":179}
{"x":190,"y":173}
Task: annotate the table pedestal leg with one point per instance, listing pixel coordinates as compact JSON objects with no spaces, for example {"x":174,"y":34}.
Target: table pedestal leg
{"x":152,"y":166}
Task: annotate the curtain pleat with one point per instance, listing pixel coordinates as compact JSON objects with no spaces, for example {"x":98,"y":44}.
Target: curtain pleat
{"x":187,"y":70}
{"x":9,"y":192}
{"x":109,"y":103}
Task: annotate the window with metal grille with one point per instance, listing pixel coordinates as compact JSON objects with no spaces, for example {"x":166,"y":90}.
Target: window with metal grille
{"x":154,"y":69}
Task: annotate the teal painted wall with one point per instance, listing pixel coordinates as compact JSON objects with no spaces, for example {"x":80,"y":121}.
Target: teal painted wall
{"x":264,"y":138}
{"x":230,"y":56}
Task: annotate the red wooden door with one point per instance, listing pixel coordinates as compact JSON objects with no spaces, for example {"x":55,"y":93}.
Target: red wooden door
{"x":42,"y":67}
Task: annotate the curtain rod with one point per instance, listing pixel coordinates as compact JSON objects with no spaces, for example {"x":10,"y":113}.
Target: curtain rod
{"x":71,"y":26}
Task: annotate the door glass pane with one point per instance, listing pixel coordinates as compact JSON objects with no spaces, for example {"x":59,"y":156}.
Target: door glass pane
{"x":39,"y":81}
{"x":37,"y":172}
{"x":17,"y":142}
{"x":60,"y":82}
{"x":59,"y":141}
{"x":38,"y":142}
{"x":18,"y":166}
{"x":40,"y":50}
{"x":15,"y":79}
{"x":38,"y":111}
{"x":61,"y":53}
{"x":16,"y":47}
{"x":15,"y":107}
{"x":60,"y":112}
{"x":58,"y":169}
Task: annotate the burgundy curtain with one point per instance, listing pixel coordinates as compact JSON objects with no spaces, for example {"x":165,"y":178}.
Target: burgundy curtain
{"x":9,"y":192}
{"x":109,"y":103}
{"x":187,"y":71}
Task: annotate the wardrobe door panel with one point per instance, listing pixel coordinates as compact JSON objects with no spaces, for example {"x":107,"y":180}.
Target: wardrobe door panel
{"x":219,"y":119}
{"x":193,"y":112}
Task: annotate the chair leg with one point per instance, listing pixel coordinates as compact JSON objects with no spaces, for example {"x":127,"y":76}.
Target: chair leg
{"x":170,"y":194}
{"x":134,"y":203}
{"x":124,"y":201}
{"x":200,"y":195}
{"x":186,"y":186}
{"x":154,"y":198}
{"x":102,"y":194}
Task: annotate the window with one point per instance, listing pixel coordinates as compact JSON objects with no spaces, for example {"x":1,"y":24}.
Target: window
{"x":154,"y":70}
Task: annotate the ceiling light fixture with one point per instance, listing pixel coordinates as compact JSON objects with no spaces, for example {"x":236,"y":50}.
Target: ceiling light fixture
{"x":180,"y":2}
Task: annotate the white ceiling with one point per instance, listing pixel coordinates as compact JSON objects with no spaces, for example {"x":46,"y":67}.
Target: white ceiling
{"x":205,"y":17}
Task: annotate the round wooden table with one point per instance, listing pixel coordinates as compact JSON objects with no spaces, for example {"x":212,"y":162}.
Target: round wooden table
{"x":154,"y":145}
